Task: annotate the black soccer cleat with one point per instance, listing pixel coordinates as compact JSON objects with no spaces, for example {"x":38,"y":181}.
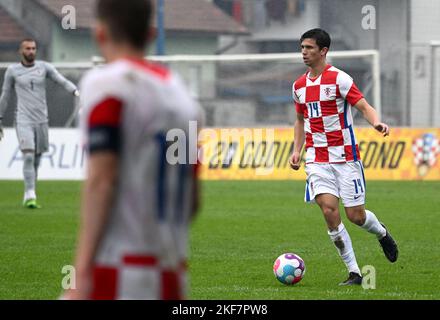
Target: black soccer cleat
{"x":353,"y":279}
{"x":389,"y":246}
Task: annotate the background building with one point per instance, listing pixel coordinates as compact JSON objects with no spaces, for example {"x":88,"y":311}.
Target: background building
{"x":404,"y":32}
{"x":184,"y":34}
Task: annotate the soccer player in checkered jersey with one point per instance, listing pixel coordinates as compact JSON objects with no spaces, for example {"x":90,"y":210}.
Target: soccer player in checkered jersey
{"x":324,"y":96}
{"x":137,"y":204}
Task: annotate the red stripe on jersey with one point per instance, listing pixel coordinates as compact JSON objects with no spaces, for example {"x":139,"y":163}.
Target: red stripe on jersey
{"x":104,"y":283}
{"x":329,"y":77}
{"x":349,"y":153}
{"x":312,"y":93}
{"x":329,"y":108}
{"x":309,"y":140}
{"x":106,"y":113}
{"x":338,"y":93}
{"x":300,"y":107}
{"x":153,"y":68}
{"x":321,"y":154}
{"x":342,"y":120}
{"x":317,"y":125}
{"x":171,"y":286}
{"x":306,"y":111}
{"x":141,"y":260}
{"x":300,"y":82}
{"x":335,"y":138}
{"x":353,"y":95}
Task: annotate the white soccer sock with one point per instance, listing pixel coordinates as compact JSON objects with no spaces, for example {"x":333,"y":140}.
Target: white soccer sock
{"x":29,"y":175}
{"x":342,"y":241}
{"x":373,"y":225}
{"x":30,"y":194}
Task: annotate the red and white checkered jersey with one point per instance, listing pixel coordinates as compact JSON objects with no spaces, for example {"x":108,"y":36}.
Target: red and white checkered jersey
{"x":326,"y":103}
{"x":144,"y":108}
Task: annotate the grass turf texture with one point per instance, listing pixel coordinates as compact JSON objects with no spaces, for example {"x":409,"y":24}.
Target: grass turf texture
{"x":240,"y":231}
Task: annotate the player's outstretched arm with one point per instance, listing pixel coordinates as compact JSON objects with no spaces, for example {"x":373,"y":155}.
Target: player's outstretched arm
{"x":57,"y":77}
{"x":371,"y":116}
{"x":295,"y":158}
{"x":98,"y":191}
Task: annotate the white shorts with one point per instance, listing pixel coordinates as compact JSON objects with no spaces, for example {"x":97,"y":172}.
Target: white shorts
{"x":33,"y":137}
{"x":343,"y":180}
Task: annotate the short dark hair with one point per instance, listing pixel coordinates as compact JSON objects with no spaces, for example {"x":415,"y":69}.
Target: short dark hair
{"x":321,"y":37}
{"x":128,"y":20}
{"x":27,"y":40}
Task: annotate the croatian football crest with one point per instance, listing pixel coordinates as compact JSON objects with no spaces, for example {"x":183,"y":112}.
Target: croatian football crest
{"x":425,"y":151}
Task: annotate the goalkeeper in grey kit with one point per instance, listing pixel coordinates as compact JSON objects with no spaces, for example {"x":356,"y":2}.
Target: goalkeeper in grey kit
{"x":28,"y":78}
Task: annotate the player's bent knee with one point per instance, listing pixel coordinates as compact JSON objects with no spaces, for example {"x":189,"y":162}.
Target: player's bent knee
{"x":357,"y":217}
{"x":329,"y":211}
{"x":358,"y":221}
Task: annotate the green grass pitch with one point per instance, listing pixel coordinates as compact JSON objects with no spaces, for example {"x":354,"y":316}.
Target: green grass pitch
{"x":242,"y":227}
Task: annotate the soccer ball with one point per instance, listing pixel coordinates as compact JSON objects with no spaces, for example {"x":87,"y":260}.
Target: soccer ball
{"x":289,"y":268}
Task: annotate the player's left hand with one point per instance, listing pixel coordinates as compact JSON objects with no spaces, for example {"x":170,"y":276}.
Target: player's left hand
{"x":295,"y":161}
{"x":382,"y":128}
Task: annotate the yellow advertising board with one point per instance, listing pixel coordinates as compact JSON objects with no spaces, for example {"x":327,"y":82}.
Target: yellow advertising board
{"x":263,"y":154}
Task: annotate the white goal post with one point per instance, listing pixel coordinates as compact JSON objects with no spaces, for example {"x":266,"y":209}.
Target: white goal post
{"x":372,"y":55}
{"x":202,"y":74}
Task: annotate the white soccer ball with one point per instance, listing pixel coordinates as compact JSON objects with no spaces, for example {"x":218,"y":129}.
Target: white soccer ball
{"x":289,"y":268}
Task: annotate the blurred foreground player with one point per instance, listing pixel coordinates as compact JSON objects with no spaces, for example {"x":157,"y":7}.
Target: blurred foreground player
{"x":28,"y":78}
{"x":324,"y":96}
{"x":136,"y":205}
